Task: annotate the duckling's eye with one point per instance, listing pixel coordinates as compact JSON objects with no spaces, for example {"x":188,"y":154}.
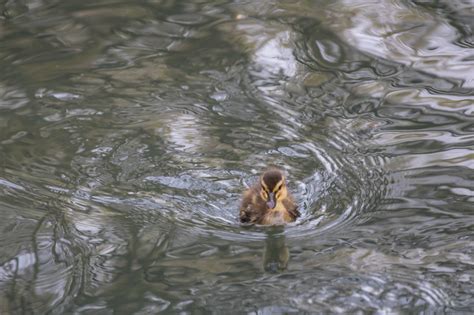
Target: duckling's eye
{"x":278,"y":188}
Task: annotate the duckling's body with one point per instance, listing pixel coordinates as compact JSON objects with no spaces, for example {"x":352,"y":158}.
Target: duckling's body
{"x":268,"y":202}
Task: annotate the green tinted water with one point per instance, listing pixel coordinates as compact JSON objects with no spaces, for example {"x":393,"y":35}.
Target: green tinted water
{"x":128,"y":131}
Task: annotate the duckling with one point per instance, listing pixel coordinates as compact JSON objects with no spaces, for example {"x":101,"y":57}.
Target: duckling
{"x":268,"y":202}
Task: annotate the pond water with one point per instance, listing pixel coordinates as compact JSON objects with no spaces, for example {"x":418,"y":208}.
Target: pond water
{"x":129,"y":129}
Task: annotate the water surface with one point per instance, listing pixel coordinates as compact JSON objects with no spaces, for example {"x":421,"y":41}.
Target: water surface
{"x":128,"y":131}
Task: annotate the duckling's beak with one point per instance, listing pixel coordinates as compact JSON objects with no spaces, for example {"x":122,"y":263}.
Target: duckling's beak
{"x":271,"y":200}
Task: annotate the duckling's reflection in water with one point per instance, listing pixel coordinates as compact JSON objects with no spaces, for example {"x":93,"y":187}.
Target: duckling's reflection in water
{"x":276,"y":253}
{"x":269,"y":202}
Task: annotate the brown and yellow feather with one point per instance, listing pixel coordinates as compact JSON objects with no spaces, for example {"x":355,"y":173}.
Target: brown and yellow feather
{"x":255,"y":201}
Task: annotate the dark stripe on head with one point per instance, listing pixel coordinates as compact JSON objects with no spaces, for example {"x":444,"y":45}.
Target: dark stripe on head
{"x":271,"y":178}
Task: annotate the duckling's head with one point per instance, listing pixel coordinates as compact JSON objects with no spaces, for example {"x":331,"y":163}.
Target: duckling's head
{"x":273,"y":187}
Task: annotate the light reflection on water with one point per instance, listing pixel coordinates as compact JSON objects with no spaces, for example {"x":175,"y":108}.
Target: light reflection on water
{"x":129,"y":131}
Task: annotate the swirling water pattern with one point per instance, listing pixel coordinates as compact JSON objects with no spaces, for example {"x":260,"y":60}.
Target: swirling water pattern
{"x":129,"y":130}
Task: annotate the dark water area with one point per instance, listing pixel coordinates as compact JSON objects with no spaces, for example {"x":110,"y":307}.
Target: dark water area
{"x":129,"y":129}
